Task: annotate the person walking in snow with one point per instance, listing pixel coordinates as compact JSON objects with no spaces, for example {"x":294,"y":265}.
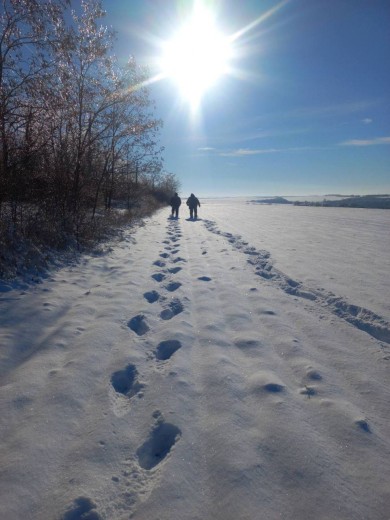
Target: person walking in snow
{"x":193,"y":203}
{"x":175,"y":205}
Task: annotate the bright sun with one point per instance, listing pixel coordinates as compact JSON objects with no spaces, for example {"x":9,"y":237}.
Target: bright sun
{"x":196,"y":56}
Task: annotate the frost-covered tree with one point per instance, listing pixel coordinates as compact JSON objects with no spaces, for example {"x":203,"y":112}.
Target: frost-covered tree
{"x":77,"y":131}
{"x":26,"y":30}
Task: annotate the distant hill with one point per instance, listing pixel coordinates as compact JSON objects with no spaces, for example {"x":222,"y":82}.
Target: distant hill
{"x":272,"y":200}
{"x":354,"y":201}
{"x":364,"y":201}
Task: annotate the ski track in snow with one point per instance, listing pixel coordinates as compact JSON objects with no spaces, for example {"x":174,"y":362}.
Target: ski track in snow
{"x":189,"y":407}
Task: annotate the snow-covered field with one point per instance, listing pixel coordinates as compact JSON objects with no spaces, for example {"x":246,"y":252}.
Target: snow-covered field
{"x":231,"y":368}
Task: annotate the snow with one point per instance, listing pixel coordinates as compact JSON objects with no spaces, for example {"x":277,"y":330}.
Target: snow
{"x":233,"y":367}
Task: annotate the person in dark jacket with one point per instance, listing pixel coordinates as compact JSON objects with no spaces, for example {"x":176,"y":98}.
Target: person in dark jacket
{"x":193,"y":203}
{"x":175,"y":204}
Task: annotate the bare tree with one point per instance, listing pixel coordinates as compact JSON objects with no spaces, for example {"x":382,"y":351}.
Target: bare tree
{"x":77,"y":131}
{"x":26,"y":27}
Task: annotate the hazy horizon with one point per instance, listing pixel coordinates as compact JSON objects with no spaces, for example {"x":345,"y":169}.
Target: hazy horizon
{"x":289,"y":195}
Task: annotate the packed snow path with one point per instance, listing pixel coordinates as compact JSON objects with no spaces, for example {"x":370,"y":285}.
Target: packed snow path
{"x":183,"y":376}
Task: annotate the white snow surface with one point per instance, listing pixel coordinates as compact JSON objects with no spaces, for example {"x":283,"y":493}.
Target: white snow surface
{"x":233,"y":367}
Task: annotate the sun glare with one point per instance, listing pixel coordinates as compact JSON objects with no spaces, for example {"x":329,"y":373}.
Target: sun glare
{"x":199,"y":53}
{"x":196,"y":56}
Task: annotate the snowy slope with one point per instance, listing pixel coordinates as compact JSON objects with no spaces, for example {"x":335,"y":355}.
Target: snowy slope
{"x":191,"y":373}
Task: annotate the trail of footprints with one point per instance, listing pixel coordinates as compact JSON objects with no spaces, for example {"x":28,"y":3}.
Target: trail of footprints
{"x":125,"y":382}
{"x":126,"y":385}
{"x":263,"y":383}
{"x":361,"y":318}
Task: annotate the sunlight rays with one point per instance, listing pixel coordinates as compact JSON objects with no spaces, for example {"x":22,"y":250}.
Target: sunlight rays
{"x":258,"y":21}
{"x":198,"y":54}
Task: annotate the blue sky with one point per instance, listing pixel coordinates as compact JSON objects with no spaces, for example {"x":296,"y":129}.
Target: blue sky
{"x":307,"y":110}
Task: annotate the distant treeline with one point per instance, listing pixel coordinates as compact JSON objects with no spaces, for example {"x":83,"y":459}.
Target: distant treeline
{"x":353,"y":196}
{"x":363,"y":201}
{"x":78,"y":137}
{"x":356,"y":201}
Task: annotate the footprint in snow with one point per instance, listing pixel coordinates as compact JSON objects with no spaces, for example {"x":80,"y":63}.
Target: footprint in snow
{"x":125,"y":381}
{"x":175,"y":307}
{"x":138,"y":325}
{"x":166,"y":349}
{"x":158,"y":445}
{"x":251,"y":251}
{"x":273,"y":388}
{"x":265,"y":274}
{"x":247,"y":344}
{"x":175,"y":270}
{"x":204,"y":278}
{"x":82,"y":509}
{"x":314,"y":375}
{"x":267,"y":312}
{"x":179,"y":259}
{"x":363,"y":425}
{"x":164,"y":255}
{"x":159,"y":263}
{"x":173,"y":286}
{"x":265,"y":383}
{"x":159,"y":277}
{"x":151,"y":296}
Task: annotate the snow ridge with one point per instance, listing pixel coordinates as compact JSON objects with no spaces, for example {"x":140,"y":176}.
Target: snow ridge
{"x":361,"y":318}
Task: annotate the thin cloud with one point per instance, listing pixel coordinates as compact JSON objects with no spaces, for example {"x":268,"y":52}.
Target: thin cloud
{"x":248,"y":152}
{"x":338,"y":109}
{"x":263,"y":134}
{"x":366,"y":142}
{"x":334,"y":110}
{"x":244,"y":152}
{"x":367,"y":120}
